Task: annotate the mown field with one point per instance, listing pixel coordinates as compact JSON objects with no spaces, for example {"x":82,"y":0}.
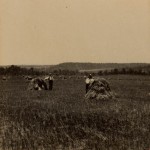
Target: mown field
{"x":63,"y":119}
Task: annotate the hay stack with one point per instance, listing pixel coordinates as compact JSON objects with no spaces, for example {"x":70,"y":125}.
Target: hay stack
{"x":29,"y":78}
{"x":99,"y":90}
{"x":37,"y":84}
{"x":4,"y":78}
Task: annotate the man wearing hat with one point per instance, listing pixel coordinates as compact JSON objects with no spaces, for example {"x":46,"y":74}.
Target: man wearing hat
{"x":91,"y":79}
{"x":88,"y":81}
{"x":50,"y":81}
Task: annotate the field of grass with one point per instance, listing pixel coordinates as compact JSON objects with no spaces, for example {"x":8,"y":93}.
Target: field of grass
{"x":64,"y":119}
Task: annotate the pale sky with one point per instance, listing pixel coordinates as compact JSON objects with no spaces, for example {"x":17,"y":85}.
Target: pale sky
{"x":55,"y":31}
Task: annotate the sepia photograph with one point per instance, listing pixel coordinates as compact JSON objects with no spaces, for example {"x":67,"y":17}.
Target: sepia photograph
{"x":74,"y":74}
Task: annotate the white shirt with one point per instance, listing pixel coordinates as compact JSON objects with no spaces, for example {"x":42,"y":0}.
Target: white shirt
{"x":87,"y":81}
{"x":49,"y":78}
{"x":91,"y":81}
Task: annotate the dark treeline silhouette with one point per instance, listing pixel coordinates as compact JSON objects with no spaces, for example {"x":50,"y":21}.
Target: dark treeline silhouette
{"x":130,"y":71}
{"x":89,"y":66}
{"x":17,"y":70}
{"x":65,"y":72}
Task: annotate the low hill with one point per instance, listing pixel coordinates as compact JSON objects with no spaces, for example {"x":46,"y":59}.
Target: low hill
{"x":97,"y":66}
{"x":45,"y":68}
{"x":87,"y":67}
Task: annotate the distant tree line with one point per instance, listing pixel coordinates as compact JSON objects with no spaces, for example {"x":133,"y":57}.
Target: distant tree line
{"x":65,"y":72}
{"x":89,"y":66}
{"x":130,"y":71}
{"x":17,"y":70}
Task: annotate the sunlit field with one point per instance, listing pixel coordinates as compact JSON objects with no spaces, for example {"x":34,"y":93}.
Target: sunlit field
{"x":63,"y":119}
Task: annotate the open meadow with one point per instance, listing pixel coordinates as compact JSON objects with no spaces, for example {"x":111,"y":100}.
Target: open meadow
{"x":64,"y":119}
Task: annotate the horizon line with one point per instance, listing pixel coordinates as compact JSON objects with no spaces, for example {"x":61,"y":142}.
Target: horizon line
{"x":76,"y":62}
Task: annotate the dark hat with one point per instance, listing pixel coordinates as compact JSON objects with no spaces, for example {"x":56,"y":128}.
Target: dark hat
{"x":90,"y":76}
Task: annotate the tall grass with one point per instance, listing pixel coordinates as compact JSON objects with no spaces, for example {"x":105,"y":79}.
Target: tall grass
{"x":63,"y":119}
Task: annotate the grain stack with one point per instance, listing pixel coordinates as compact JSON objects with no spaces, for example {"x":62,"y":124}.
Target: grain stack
{"x":99,"y":90}
{"x":37,"y":84}
{"x":4,"y":78}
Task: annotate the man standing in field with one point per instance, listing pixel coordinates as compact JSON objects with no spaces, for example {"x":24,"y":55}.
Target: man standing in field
{"x":88,"y":81}
{"x":91,"y":79}
{"x":50,"y":79}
